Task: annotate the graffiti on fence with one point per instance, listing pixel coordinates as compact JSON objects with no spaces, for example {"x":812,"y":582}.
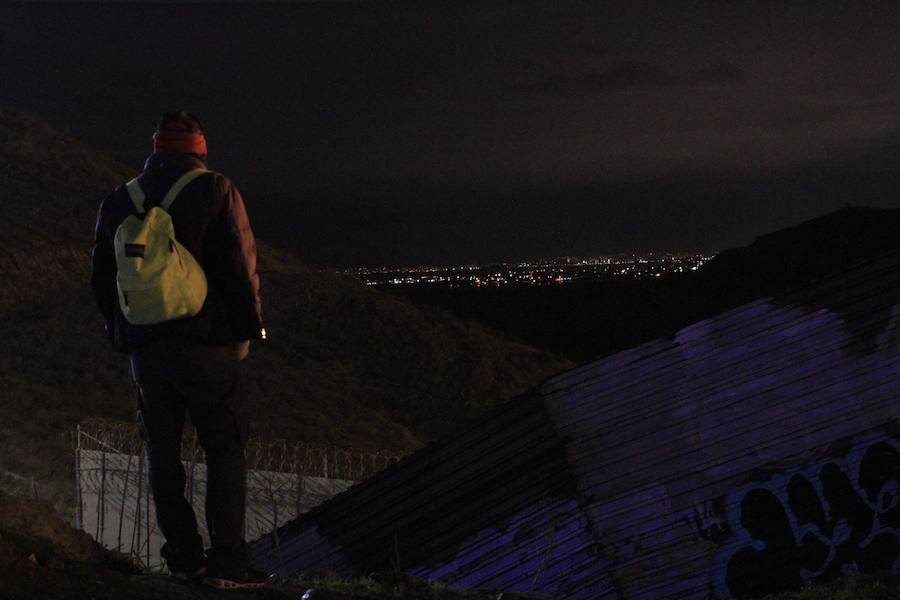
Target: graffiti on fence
{"x":837,"y":516}
{"x":706,"y":521}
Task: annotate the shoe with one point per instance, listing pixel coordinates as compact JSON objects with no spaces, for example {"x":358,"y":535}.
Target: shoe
{"x":190,"y":576}
{"x":181,"y":568}
{"x":235,"y":579}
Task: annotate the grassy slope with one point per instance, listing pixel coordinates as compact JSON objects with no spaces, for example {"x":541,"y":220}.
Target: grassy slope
{"x":345,"y":365}
{"x":42,"y":557}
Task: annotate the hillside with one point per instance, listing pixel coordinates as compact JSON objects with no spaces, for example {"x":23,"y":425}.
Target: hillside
{"x":43,"y":557}
{"x":778,"y":262}
{"x":345,"y":365}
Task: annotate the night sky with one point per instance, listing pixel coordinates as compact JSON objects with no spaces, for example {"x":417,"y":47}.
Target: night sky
{"x":408,"y":133}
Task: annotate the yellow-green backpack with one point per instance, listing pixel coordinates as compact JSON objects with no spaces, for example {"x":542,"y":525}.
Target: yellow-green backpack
{"x":158,"y":279}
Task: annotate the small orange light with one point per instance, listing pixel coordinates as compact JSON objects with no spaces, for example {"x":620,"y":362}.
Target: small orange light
{"x":263,"y":333}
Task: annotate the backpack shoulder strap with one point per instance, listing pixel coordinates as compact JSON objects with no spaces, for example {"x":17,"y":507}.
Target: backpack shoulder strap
{"x":136,"y":194}
{"x":179,"y":185}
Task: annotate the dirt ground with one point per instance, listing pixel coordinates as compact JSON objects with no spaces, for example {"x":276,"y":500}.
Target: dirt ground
{"x":41,"y":556}
{"x":84,"y":581}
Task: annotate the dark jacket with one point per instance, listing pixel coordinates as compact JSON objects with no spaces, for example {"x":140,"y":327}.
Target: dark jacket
{"x":211,"y":222}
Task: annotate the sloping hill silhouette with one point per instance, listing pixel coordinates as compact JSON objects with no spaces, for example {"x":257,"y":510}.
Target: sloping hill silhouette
{"x":777,"y":262}
{"x":345,"y":365}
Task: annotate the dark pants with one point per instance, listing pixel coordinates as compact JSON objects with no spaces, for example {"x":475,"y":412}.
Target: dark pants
{"x":175,"y":377}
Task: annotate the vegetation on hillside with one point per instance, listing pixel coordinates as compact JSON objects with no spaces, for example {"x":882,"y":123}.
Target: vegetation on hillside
{"x":345,"y":365}
{"x":853,"y":587}
{"x":43,"y":557}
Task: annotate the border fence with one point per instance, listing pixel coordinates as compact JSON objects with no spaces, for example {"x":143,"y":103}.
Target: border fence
{"x":284,"y":479}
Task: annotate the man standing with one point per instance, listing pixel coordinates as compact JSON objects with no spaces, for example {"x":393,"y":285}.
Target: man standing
{"x":189,"y":364}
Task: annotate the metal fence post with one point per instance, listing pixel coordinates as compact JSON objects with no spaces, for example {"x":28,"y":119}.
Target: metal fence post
{"x":101,"y":502}
{"x":79,"y":501}
{"x":136,"y":532}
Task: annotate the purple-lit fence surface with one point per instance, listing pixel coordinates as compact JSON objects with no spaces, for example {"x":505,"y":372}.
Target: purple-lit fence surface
{"x":492,"y":507}
{"x":756,"y":451}
{"x":762,"y":416}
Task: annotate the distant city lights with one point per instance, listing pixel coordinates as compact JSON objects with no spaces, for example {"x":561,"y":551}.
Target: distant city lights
{"x":542,"y":272}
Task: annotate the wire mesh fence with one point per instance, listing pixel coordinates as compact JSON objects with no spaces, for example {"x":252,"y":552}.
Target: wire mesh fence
{"x":284,"y":480}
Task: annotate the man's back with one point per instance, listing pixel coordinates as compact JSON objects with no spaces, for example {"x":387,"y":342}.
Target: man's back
{"x":211,"y":222}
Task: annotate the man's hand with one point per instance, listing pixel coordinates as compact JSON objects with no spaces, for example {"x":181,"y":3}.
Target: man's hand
{"x":242,"y":349}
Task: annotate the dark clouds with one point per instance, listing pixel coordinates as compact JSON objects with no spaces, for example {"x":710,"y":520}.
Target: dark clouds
{"x":722,"y":73}
{"x":468,"y":125}
{"x":632,"y":75}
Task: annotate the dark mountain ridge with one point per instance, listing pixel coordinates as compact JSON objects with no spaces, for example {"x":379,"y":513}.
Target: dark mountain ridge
{"x":588,"y":320}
